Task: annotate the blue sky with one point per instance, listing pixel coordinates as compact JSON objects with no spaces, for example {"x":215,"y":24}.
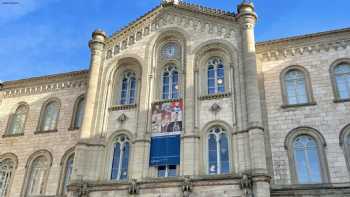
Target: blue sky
{"x":40,"y":37}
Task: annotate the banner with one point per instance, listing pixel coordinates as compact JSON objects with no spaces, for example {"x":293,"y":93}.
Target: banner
{"x":167,"y":117}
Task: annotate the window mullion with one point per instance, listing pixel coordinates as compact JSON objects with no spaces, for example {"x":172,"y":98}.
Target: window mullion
{"x":307,"y":161}
{"x":121,"y":154}
{"x":218,"y":158}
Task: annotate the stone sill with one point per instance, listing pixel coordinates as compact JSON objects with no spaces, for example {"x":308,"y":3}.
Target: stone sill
{"x":73,"y":128}
{"x":310,"y":186}
{"x":122,"y":107}
{"x":298,"y":105}
{"x":43,"y":132}
{"x":215,"y":96}
{"x":341,"y":100}
{"x":12,"y":135}
{"x":166,"y":101}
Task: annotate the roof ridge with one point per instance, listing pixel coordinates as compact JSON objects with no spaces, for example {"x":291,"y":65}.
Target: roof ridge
{"x":206,"y":9}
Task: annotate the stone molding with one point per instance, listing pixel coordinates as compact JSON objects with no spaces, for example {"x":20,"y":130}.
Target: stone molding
{"x":215,"y":96}
{"x":304,"y":45}
{"x":50,"y":83}
{"x":123,"y":107}
{"x":156,"y":19}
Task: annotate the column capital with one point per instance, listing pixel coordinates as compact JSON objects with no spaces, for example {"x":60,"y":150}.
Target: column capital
{"x":246,"y":15}
{"x":98,"y":39}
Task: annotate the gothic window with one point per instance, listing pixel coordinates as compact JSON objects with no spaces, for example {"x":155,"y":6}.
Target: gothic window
{"x":342,"y":80}
{"x":6,"y":174}
{"x":218,"y":151}
{"x":307,"y":160}
{"x":296,"y":87}
{"x":170,"y":83}
{"x":50,"y":116}
{"x":128,"y":88}
{"x":167,"y":171}
{"x":78,"y":113}
{"x":17,"y":120}
{"x":120,"y":161}
{"x":39,"y":171}
{"x":216,"y":76}
{"x":68,"y":173}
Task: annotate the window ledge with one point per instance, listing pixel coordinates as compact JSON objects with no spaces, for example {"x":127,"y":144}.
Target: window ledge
{"x":47,"y":131}
{"x":298,"y":105}
{"x":122,"y":107}
{"x":12,"y":135}
{"x":166,"y":101}
{"x":341,"y":100}
{"x":215,"y":96}
{"x":73,"y":128}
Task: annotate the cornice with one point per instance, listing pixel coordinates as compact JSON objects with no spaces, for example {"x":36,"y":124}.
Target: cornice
{"x":49,"y":83}
{"x":336,"y":40}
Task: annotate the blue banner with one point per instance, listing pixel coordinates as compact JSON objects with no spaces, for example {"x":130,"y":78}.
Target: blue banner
{"x":165,"y":150}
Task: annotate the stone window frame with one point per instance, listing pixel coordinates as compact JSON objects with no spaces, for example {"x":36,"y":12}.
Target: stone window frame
{"x":109,"y":153}
{"x":204,"y":153}
{"x":124,"y":65}
{"x":67,"y":155}
{"x":344,"y":134}
{"x":333,"y":78}
{"x":28,"y":169}
{"x":10,"y":120}
{"x":42,"y":115}
{"x":308,"y":87}
{"x":206,"y":52}
{"x":321,"y":146}
{"x":162,"y":63}
{"x":75,"y":111}
{"x":14,"y":159}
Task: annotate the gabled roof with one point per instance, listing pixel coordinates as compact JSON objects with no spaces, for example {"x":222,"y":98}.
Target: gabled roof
{"x":180,"y":5}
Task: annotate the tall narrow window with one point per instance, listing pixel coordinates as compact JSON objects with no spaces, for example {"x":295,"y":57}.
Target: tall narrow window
{"x":307,"y":160}
{"x":342,"y":79}
{"x":120,"y":161}
{"x":295,"y":87}
{"x":218,"y":152}
{"x":79,"y":113}
{"x":68,"y":173}
{"x":50,"y":116}
{"x":170,"y":83}
{"x":17,"y":120}
{"x":216,"y":76}
{"x":38,"y":176}
{"x":128,"y":88}
{"x":6,"y":171}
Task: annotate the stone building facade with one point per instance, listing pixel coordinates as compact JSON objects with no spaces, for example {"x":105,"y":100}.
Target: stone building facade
{"x":184,"y":102}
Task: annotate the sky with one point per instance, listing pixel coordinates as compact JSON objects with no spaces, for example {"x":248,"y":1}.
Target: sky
{"x":41,"y":37}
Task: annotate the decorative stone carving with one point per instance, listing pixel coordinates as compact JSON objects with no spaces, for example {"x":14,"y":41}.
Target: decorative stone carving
{"x":122,"y":118}
{"x":133,"y":187}
{"x":215,"y":108}
{"x":247,"y":185}
{"x":187,"y":186}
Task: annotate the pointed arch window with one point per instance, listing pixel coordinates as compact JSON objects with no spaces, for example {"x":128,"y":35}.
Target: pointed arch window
{"x":120,"y":161}
{"x":307,"y":160}
{"x":78,"y":113}
{"x":68,"y":173}
{"x":170,"y":82}
{"x":216,"y":76}
{"x":6,"y":174}
{"x":50,"y":116}
{"x":218,"y":151}
{"x":296,"y":87}
{"x":342,"y":80}
{"x":128,"y":88}
{"x":39,"y":171}
{"x":17,"y":120}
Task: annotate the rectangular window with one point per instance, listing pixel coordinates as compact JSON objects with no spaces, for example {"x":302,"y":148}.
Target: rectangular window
{"x":167,"y":171}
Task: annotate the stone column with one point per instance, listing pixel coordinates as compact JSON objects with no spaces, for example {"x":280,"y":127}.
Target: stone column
{"x":89,"y":152}
{"x":247,"y":19}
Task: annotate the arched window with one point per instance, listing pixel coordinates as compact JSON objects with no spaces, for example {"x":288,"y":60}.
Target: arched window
{"x":39,"y":171}
{"x":216,"y":76}
{"x":120,"y":162}
{"x":78,"y":113}
{"x":128,"y":88}
{"x":218,"y":151}
{"x":6,"y":173}
{"x":170,"y":82}
{"x":342,"y":80}
{"x":17,"y":120}
{"x":295,"y":87}
{"x":50,"y":116}
{"x":307,"y":160}
{"x":68,"y":173}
